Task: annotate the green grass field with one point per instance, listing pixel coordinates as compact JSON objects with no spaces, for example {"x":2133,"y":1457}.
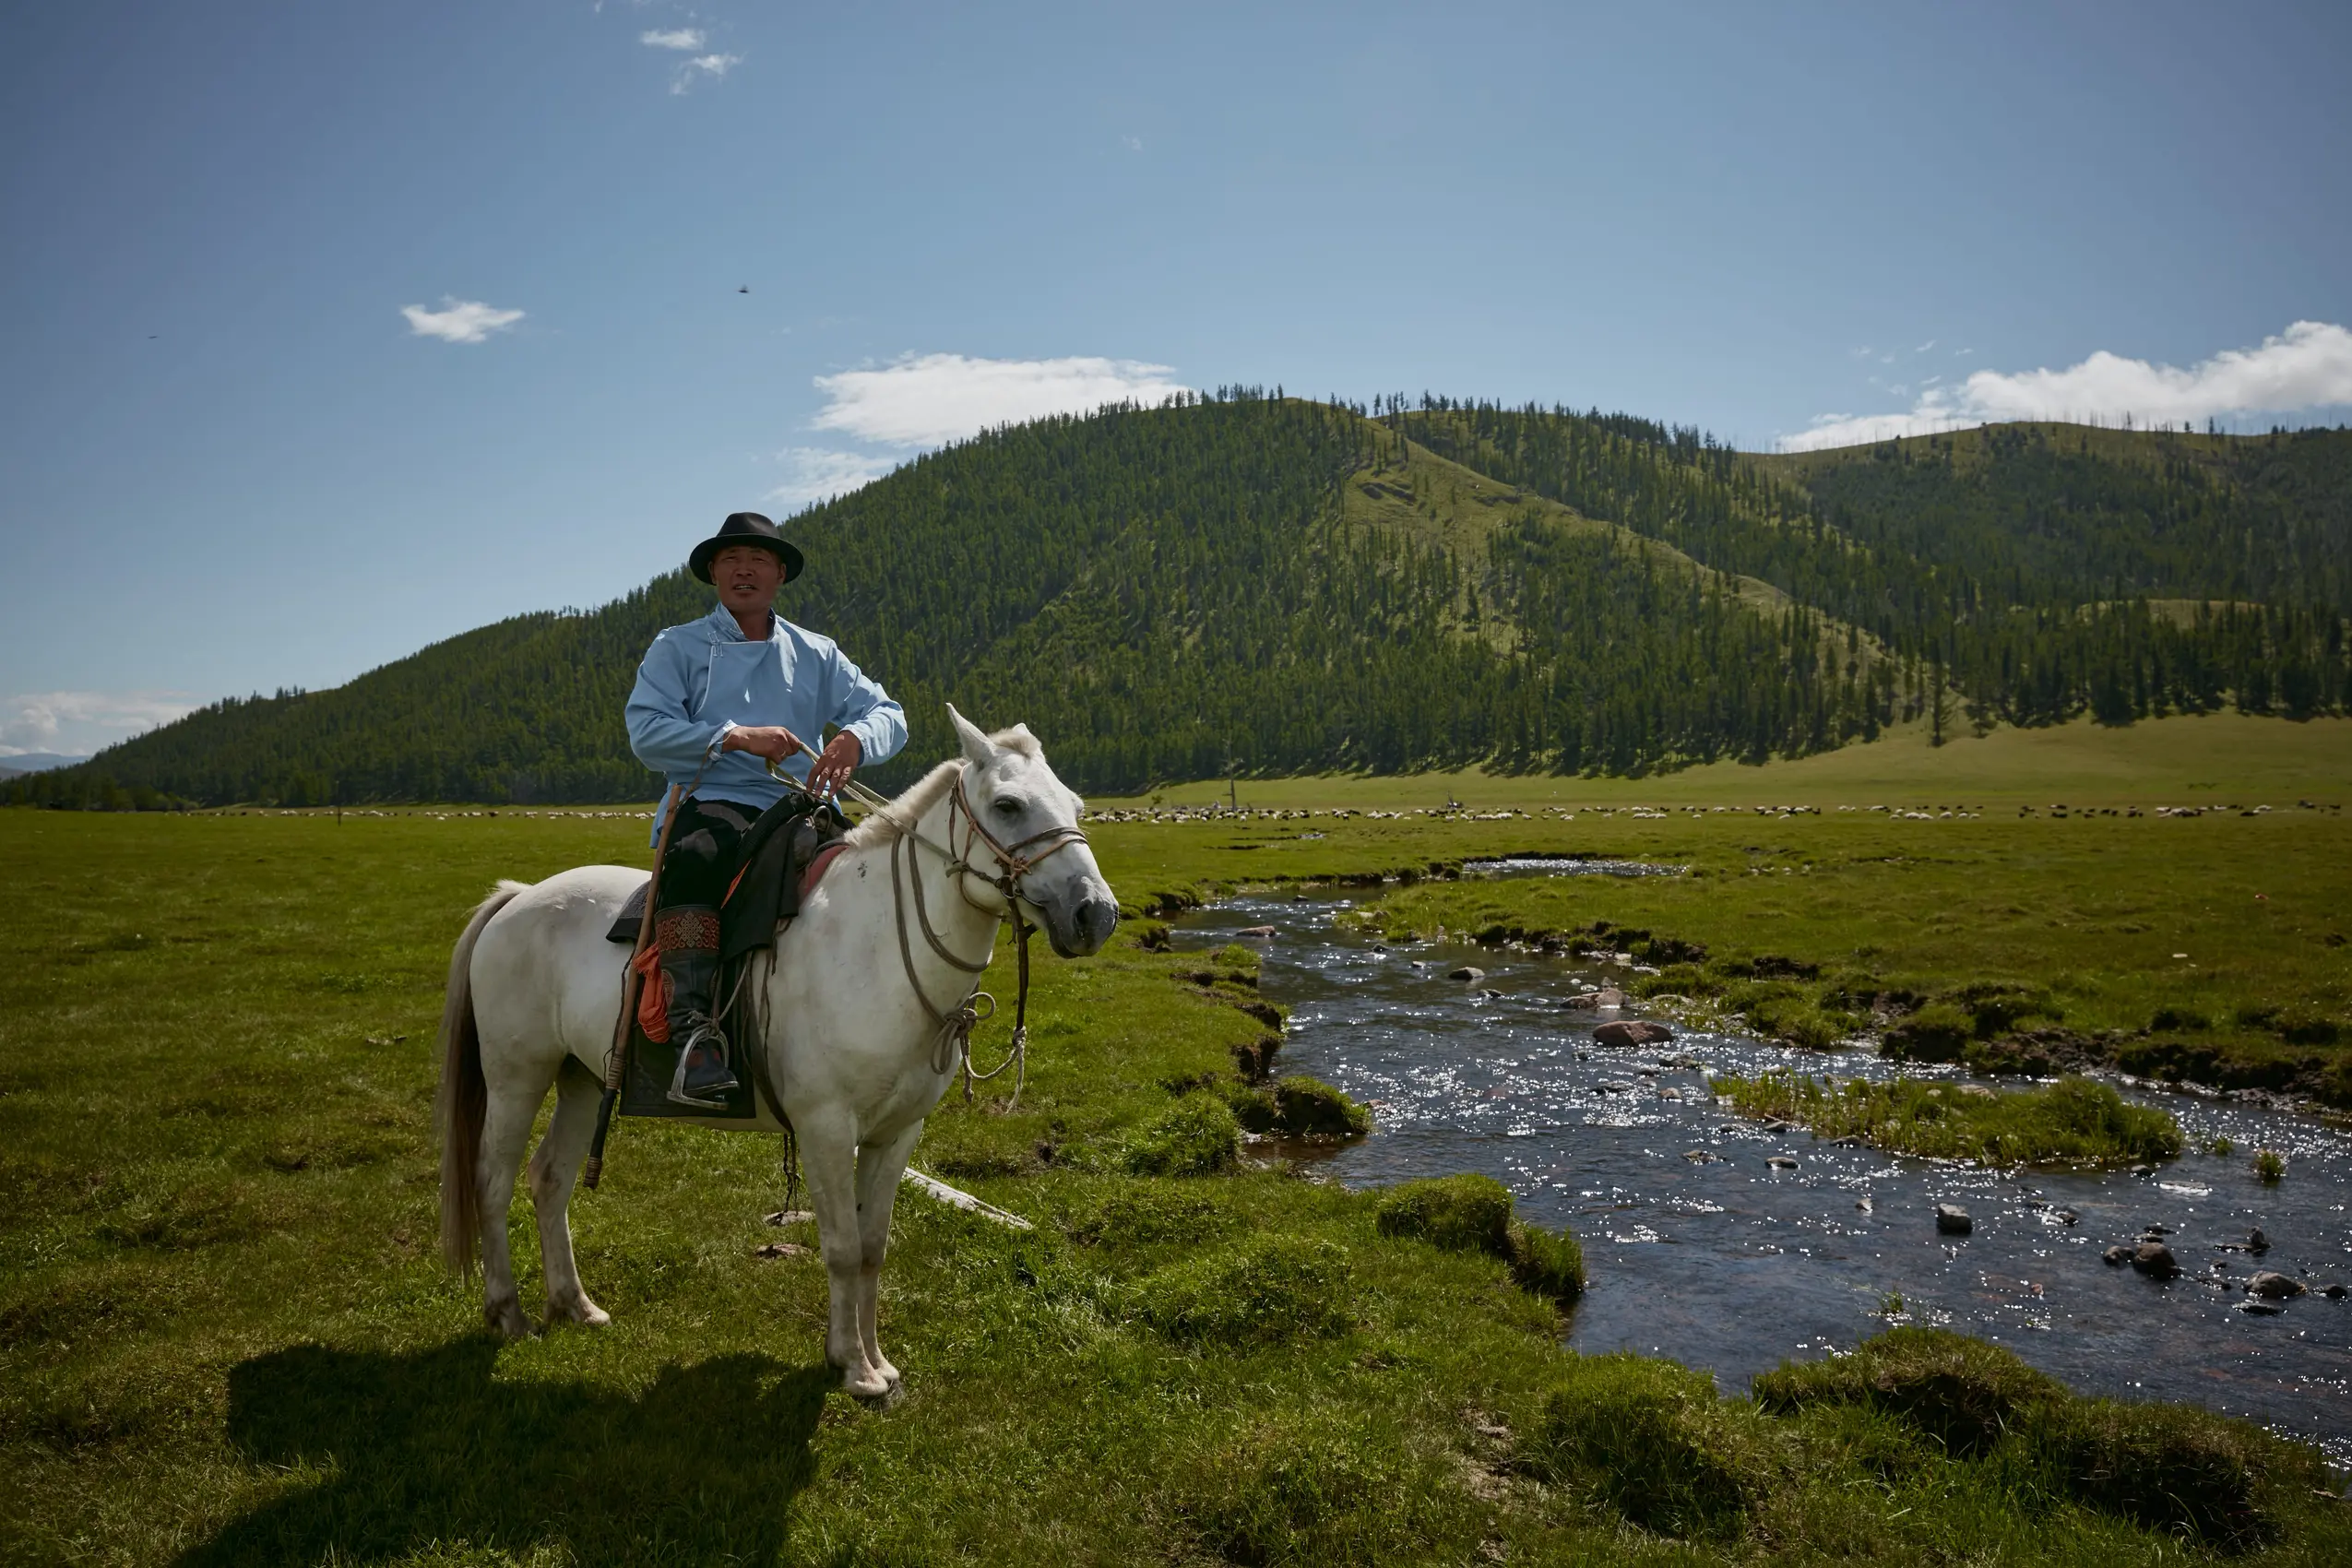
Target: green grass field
{"x":2202,"y":760}
{"x":224,"y":1337}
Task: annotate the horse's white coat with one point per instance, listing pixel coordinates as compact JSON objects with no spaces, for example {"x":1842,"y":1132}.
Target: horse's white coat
{"x":850,"y":1048}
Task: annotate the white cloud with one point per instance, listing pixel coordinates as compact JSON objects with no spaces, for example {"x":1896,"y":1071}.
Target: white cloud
{"x":460,"y":321}
{"x":2308,"y":366}
{"x":816,"y":473}
{"x":927,"y":400}
{"x":702,"y":67}
{"x":81,"y":722}
{"x":1133,"y":144}
{"x":676,"y":38}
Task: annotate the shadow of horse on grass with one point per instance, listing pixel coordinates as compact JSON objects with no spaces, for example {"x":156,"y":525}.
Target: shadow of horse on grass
{"x":430,"y":1446}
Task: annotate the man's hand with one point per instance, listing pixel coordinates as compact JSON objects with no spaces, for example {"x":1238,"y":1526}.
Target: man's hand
{"x":831,"y":771}
{"x":771,"y":740}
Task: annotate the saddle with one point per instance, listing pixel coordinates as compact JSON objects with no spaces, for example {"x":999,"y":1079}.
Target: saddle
{"x":784,"y":855}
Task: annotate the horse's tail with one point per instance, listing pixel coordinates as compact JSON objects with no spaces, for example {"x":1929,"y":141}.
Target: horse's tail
{"x":464,"y":1094}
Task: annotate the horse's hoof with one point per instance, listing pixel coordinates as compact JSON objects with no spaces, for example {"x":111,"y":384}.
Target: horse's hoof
{"x":585,"y":1313}
{"x":882,"y":1396}
{"x":509,"y":1320}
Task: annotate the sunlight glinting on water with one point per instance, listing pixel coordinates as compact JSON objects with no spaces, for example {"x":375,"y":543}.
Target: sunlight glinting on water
{"x":1730,"y":1246}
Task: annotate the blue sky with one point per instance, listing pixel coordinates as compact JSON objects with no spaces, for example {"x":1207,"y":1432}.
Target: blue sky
{"x":337,"y":330}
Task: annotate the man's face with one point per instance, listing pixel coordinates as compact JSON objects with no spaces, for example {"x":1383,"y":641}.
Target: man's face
{"x":746,"y":577}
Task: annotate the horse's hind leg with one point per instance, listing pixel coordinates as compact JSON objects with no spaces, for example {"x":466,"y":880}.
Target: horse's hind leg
{"x":514,"y":1096}
{"x":554,"y":1168}
{"x":880,"y":1166}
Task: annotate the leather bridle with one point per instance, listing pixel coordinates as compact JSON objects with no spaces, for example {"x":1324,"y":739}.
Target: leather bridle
{"x":1014,"y":862}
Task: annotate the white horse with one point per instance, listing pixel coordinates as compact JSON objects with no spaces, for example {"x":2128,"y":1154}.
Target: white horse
{"x":861,"y":1006}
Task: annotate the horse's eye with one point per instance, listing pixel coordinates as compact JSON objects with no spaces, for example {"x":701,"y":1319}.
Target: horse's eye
{"x":1008,"y":808}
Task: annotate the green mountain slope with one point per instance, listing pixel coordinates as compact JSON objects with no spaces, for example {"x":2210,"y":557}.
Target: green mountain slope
{"x":2019,"y":562}
{"x":1257,"y":584}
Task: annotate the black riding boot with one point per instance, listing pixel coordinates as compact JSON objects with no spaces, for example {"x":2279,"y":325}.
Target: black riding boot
{"x":689,"y":941}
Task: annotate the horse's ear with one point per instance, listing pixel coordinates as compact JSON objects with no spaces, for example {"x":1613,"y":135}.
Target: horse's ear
{"x":977,"y":748}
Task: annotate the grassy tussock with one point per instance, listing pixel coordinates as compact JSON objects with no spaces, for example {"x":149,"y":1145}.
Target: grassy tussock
{"x":2173,"y":1469}
{"x":1463,"y":1214}
{"x":1472,"y":1213}
{"x":1962,"y":1393}
{"x":1313,"y":1487}
{"x":2073,"y":1121}
{"x":1263,"y":1291}
{"x":1197,"y":1136}
{"x":1298,"y":1106}
{"x":1652,"y":1441}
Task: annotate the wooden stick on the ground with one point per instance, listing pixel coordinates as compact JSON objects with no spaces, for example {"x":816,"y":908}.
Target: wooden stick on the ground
{"x":933,"y":1186}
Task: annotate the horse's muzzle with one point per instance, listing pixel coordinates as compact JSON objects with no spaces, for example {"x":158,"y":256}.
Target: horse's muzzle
{"x":1080,"y":929}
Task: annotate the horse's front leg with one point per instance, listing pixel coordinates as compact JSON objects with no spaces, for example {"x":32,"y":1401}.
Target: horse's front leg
{"x":880,"y":1166}
{"x":829,"y":1158}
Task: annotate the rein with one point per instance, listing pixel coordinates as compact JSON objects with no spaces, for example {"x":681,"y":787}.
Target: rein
{"x":953,"y":1042}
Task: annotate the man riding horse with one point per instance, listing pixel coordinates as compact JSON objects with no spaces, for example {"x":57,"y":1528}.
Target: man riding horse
{"x":716,"y":700}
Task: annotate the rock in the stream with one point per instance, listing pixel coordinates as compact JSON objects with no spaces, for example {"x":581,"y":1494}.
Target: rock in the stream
{"x":1256,"y":931}
{"x":1951,"y":1219}
{"x":1781,"y":1162}
{"x":2156,"y":1260}
{"x":1467,"y":972}
{"x":2116,"y":1257}
{"x":1628,"y":1032}
{"x":1489,"y":994}
{"x":1700,"y":1156}
{"x":2332,"y":1292}
{"x":1595,"y":1001}
{"x":2273,"y":1285}
{"x":2256,"y":1242}
{"x":2259,"y":1307}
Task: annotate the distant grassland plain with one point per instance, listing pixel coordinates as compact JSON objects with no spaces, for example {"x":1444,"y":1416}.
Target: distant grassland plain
{"x":223,"y":1336}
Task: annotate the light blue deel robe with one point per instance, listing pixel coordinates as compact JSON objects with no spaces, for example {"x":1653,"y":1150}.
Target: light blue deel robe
{"x":705,"y":678}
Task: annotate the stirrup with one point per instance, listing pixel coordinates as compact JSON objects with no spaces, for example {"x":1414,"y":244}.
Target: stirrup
{"x":702,"y":1036}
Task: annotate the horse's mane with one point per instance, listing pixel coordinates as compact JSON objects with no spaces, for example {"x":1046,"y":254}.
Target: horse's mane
{"x":906,"y":808}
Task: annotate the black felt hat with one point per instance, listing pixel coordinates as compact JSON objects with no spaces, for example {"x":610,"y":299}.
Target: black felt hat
{"x":745,"y":528}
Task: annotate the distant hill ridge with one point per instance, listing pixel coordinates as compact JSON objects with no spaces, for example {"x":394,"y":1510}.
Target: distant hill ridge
{"x":1262,"y":585}
{"x":35,"y":762}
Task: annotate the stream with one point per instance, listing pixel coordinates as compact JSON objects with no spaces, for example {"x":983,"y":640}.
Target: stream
{"x":1733,"y":1264}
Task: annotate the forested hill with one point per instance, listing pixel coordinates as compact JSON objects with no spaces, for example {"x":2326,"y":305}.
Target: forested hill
{"x":1265,"y":585}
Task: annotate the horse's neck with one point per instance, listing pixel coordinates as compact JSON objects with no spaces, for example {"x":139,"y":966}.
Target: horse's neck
{"x":924,"y":889}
